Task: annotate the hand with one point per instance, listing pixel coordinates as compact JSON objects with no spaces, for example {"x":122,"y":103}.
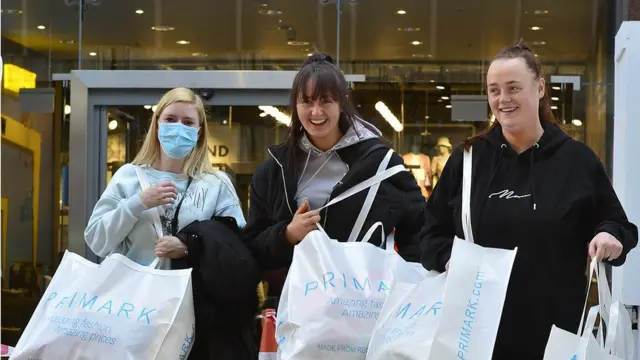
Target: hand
{"x":304,"y":221}
{"x":159,"y":194}
{"x":446,"y":267}
{"x":605,"y":247}
{"x":170,"y":247}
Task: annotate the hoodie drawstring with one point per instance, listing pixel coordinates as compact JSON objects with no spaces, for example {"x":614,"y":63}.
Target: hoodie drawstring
{"x":531,"y":177}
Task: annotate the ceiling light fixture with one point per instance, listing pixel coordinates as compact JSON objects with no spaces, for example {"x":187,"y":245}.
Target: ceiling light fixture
{"x":93,"y":53}
{"x":554,"y":107}
{"x":539,"y":43}
{"x":444,"y":97}
{"x":11,"y":11}
{"x":556,"y":88}
{"x":409,"y":29}
{"x":297,"y":43}
{"x":401,"y":12}
{"x":183,"y":42}
{"x":113,"y":124}
{"x":555,"y":98}
{"x":440,"y":87}
{"x":417,"y":42}
{"x":264,"y":11}
{"x":388,"y":116}
{"x":67,"y":42}
{"x":309,"y":54}
{"x":162,"y":28}
{"x":449,"y":106}
{"x":139,"y":11}
{"x":276,"y":114}
{"x":67,"y":109}
{"x":576,"y":122}
{"x":147,"y":107}
{"x":199,"y":54}
{"x":535,"y":28}
{"x":41,"y":27}
{"x":541,"y":12}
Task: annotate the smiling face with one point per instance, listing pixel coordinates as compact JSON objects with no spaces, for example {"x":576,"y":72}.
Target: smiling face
{"x":319,"y":116}
{"x":514,"y":93}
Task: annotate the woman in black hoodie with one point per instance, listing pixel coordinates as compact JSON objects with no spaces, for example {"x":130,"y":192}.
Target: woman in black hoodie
{"x":535,"y":188}
{"x":329,"y":150}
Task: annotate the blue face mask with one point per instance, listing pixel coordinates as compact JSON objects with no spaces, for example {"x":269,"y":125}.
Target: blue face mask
{"x":177,"y":139}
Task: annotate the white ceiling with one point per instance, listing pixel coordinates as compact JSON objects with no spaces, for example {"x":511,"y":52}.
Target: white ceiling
{"x":451,"y":30}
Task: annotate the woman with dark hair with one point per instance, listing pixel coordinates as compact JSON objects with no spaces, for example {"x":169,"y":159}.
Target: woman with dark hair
{"x":535,"y":188}
{"x":329,"y":150}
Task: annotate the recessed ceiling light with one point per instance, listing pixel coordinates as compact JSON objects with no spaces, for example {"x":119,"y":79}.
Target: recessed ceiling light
{"x":555,"y":98}
{"x":409,"y":29}
{"x":554,"y":107}
{"x":162,"y":28}
{"x":183,"y":42}
{"x":401,"y":12}
{"x":440,"y":87}
{"x":264,"y":11}
{"x":417,"y":55}
{"x":41,"y":27}
{"x":139,"y":11}
{"x":556,"y":88}
{"x":576,"y":122}
{"x":449,"y":106}
{"x":444,"y":97}
{"x":432,"y":81}
{"x":68,"y":42}
{"x":11,"y":11}
{"x":93,"y":53}
{"x":298,"y":43}
{"x":147,"y":107}
{"x":417,"y":42}
{"x":199,"y":54}
{"x":541,"y":12}
{"x":309,"y":54}
{"x":539,"y":43}
{"x":535,"y":28}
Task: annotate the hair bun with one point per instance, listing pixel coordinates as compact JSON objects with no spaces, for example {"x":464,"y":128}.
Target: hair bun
{"x":318,"y":57}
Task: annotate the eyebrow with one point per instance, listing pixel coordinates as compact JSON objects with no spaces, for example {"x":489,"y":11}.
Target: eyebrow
{"x":176,"y":116}
{"x":508,"y":83}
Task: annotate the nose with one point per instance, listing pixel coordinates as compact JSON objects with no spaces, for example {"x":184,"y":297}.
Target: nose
{"x":316,"y":109}
{"x":504,"y":98}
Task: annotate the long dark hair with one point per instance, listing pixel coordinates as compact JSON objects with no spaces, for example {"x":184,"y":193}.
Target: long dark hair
{"x":329,"y":84}
{"x":521,"y":51}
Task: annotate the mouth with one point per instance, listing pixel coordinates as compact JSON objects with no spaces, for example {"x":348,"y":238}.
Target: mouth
{"x":318,"y":121}
{"x":507,"y":110}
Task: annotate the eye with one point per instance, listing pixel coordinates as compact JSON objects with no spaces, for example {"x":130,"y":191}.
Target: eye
{"x":493,"y":91}
{"x":170,"y":119}
{"x":513,"y":88}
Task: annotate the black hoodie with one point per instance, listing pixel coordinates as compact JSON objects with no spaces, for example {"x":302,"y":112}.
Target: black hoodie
{"x":549,"y":201}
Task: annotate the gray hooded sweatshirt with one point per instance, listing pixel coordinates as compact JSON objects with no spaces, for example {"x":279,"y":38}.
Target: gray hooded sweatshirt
{"x":322,"y":170}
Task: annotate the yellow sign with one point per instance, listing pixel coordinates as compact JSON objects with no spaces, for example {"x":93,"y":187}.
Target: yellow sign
{"x":16,"y":78}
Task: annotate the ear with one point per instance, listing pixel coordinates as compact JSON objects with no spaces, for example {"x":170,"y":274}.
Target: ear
{"x":541,"y":88}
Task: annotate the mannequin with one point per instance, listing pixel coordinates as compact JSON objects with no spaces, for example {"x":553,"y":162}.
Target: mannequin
{"x":420,"y":166}
{"x":443,"y":149}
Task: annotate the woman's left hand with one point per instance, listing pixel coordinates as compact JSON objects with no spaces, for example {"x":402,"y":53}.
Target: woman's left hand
{"x":170,"y":247}
{"x":605,"y":246}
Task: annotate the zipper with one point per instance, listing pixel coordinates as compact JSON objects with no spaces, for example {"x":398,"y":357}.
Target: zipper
{"x":284,"y":181}
{"x":331,"y":196}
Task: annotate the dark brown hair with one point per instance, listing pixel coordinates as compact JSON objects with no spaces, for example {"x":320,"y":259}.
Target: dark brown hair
{"x":329,"y":84}
{"x":521,"y":51}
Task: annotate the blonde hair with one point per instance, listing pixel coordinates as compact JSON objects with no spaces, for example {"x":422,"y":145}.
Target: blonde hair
{"x":197,"y":162}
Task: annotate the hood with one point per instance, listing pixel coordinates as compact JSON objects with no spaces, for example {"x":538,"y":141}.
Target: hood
{"x":360,"y":131}
{"x":510,"y":165}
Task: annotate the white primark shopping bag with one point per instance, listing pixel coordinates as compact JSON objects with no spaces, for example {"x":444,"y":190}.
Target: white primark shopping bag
{"x":334,"y":291}
{"x":563,"y":344}
{"x":115,"y":310}
{"x":475,"y":291}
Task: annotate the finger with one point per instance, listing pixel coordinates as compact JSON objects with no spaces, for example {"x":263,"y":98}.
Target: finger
{"x":314,"y":220}
{"x":310,"y":214}
{"x":303,"y":208}
{"x":600,"y":253}
{"x":592,"y":249}
{"x":166,"y":184}
{"x":617,"y":252}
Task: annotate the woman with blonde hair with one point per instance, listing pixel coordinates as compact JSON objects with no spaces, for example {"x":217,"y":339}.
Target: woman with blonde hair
{"x":174,"y":161}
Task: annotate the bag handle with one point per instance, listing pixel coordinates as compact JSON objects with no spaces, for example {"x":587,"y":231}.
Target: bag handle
{"x":155,"y":216}
{"x":466,"y":194}
{"x":366,"y":184}
{"x":366,"y":206}
{"x":388,"y":242}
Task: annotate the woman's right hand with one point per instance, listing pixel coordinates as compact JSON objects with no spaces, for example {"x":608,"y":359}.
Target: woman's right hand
{"x":159,"y":194}
{"x":304,"y":221}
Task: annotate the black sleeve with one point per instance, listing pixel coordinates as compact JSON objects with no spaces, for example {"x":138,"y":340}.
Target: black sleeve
{"x":609,"y":215}
{"x":408,"y":228}
{"x":264,"y":236}
{"x":439,"y":227}
{"x":225,"y":273}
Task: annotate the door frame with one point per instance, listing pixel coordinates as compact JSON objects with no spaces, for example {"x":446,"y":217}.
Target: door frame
{"x":93,"y":90}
